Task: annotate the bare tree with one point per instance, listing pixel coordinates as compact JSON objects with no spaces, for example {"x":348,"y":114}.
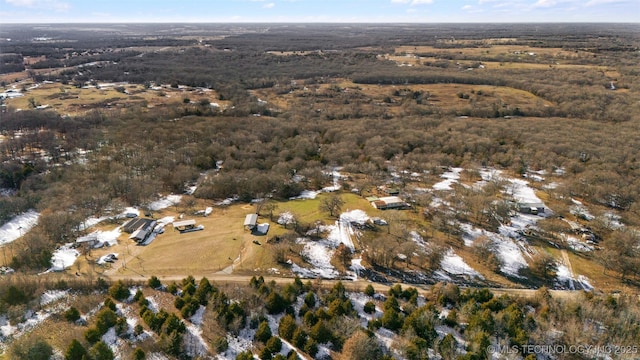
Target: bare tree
{"x":332,"y":204}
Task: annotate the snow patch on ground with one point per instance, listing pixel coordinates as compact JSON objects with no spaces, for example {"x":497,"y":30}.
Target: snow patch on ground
{"x":63,"y":258}
{"x":197,"y":318}
{"x":579,"y":210}
{"x":227,"y":201}
{"x":318,"y":254}
{"x":237,"y":344}
{"x":453,"y":264}
{"x":165,"y":202}
{"x":285,"y":218}
{"x":306,"y":195}
{"x":613,"y":221}
{"x":521,"y":191}
{"x":452,"y":176}
{"x":508,"y":250}
{"x":195,"y":346}
{"x":152,"y":304}
{"x":18,"y":226}
{"x":356,"y":267}
{"x":566,"y":279}
{"x":50,"y":296}
{"x":577,"y":245}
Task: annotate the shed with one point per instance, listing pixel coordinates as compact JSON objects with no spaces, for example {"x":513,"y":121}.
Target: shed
{"x":389,"y":202}
{"x":251,"y":221}
{"x":139,"y":235}
{"x":90,"y":240}
{"x":184,"y":224}
{"x":138,"y":223}
{"x":531,"y":208}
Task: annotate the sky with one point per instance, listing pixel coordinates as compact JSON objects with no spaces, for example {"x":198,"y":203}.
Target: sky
{"x":305,"y":11}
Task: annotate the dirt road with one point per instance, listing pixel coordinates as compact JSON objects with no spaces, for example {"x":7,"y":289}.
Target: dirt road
{"x":358,"y":285}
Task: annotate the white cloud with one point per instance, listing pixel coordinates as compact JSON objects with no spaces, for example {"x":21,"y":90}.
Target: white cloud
{"x":551,"y":3}
{"x":413,"y":2}
{"x":42,"y":4}
{"x":269,"y":5}
{"x":604,"y":2}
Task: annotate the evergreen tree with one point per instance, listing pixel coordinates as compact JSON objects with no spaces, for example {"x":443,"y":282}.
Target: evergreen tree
{"x":75,"y":351}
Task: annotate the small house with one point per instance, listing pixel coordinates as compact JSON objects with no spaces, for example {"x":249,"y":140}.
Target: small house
{"x":90,"y":240}
{"x":251,"y":221}
{"x":389,"y":202}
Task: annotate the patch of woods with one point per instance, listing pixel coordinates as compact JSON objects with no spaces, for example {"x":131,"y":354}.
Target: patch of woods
{"x":316,"y":320}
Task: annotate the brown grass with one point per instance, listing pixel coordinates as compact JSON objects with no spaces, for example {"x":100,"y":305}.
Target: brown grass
{"x":494,"y":50}
{"x":67,"y":99}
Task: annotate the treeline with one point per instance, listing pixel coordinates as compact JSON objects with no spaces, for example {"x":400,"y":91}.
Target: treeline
{"x":216,"y":69}
{"x":443,"y":321}
{"x":11,"y":63}
{"x":51,"y":62}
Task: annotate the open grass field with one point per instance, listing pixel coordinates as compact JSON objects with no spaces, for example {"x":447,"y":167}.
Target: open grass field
{"x":223,"y":246}
{"x":442,"y":96}
{"x":523,"y":52}
{"x":67,"y":99}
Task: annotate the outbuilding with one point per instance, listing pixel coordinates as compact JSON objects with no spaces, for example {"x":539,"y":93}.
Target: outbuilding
{"x":531,"y":208}
{"x":389,"y":202}
{"x":251,"y":221}
{"x":184,"y":225}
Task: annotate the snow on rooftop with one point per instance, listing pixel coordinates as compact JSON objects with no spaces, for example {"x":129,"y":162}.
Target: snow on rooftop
{"x":452,"y":176}
{"x":453,"y":264}
{"x":103,"y":238}
{"x":18,"y":226}
{"x":165,"y":202}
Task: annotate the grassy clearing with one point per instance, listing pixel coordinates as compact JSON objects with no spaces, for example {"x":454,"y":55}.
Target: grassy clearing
{"x":67,"y":99}
{"x":496,"y":50}
{"x":441,"y":96}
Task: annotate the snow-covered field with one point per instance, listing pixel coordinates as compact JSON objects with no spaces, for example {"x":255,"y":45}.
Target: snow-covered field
{"x":18,"y":226}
